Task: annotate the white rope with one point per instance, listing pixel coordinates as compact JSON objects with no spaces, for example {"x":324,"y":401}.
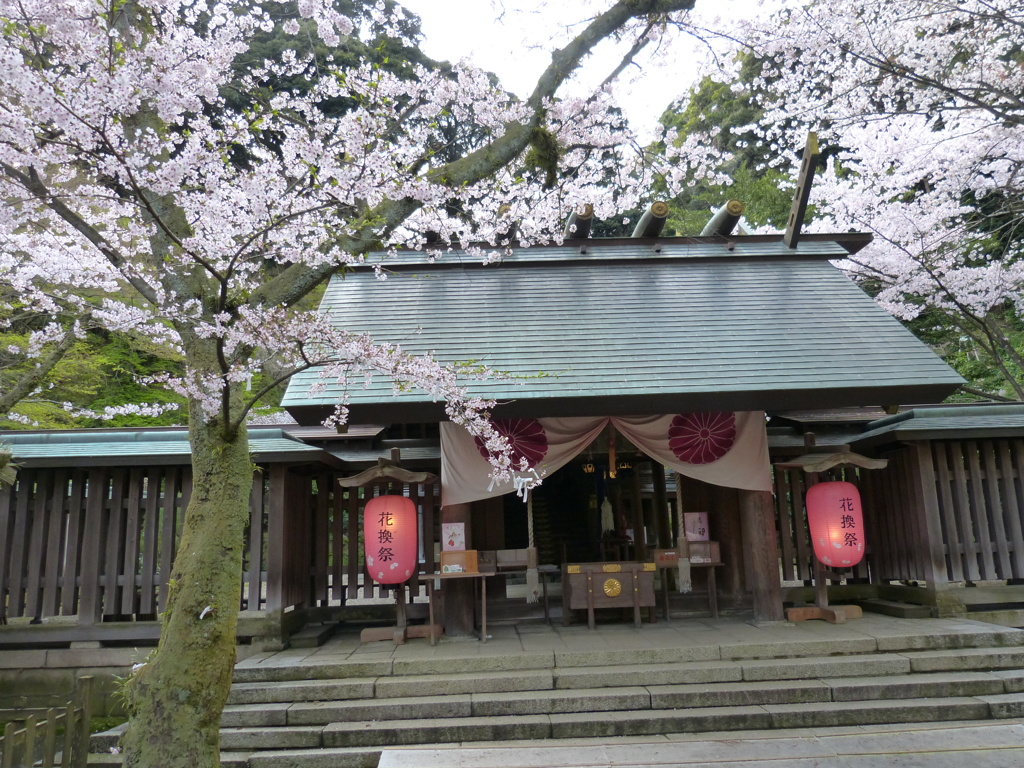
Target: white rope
{"x":532,"y":576}
{"x":684,"y":576}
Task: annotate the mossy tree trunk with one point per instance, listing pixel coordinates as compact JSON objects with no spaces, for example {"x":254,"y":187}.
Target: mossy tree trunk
{"x":175,"y":701}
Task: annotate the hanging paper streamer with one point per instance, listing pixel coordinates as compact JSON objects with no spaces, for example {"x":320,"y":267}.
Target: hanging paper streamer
{"x":684,"y":576}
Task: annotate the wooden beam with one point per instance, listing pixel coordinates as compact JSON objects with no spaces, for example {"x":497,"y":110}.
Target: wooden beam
{"x":803,"y":192}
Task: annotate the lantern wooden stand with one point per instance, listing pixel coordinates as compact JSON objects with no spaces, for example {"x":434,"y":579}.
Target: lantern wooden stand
{"x":402,"y":630}
{"x":813,"y":464}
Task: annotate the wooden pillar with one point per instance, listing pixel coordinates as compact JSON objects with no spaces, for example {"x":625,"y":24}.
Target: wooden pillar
{"x":459,"y":601}
{"x":925,"y":499}
{"x":276,"y":537}
{"x":760,"y":546}
{"x":732,"y":577}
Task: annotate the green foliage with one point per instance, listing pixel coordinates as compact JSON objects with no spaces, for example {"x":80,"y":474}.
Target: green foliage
{"x":727,"y":114}
{"x":126,"y":363}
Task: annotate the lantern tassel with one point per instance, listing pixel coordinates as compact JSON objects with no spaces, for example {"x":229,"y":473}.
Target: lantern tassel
{"x":532,"y":576}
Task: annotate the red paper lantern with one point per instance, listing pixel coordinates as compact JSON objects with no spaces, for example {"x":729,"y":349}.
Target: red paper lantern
{"x":837,"y":524}
{"x":390,"y":537}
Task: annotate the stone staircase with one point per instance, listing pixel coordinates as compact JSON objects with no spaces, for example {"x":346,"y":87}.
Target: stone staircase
{"x":338,"y":709}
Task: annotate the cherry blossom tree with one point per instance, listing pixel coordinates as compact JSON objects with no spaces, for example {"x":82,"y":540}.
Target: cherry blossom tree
{"x":920,"y":103}
{"x":137,"y":198}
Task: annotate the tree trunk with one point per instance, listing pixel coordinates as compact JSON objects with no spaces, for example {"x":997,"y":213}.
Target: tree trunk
{"x":175,"y":701}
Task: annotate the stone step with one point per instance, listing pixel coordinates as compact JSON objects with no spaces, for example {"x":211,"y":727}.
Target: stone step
{"x":313,"y":635}
{"x":895,"y":608}
{"x":268,"y":667}
{"x":1005,"y":660}
{"x":733,"y":671}
{"x":227,"y":760}
{"x":403,"y":686}
{"x":967,"y":659}
{"x":638,"y":698}
{"x":438,"y":730}
{"x":302,"y":690}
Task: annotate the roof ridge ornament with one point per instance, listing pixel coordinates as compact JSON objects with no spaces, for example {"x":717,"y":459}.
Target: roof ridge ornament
{"x":724,"y":220}
{"x":653,"y":220}
{"x":579,"y":223}
{"x":803,"y":191}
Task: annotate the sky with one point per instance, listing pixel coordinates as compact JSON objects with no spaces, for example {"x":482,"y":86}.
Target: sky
{"x":472,"y":29}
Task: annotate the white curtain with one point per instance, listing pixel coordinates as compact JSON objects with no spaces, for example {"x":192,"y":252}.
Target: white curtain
{"x":722,"y":448}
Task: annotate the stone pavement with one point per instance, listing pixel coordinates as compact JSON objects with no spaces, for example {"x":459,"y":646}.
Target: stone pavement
{"x":925,"y":745}
{"x":680,"y":639}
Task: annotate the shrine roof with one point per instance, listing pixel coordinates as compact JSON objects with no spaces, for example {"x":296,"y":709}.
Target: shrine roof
{"x":148,"y":446}
{"x":959,"y":422}
{"x":634,"y":326}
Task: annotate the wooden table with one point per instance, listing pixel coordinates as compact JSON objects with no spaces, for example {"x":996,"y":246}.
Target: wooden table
{"x":712,"y":586}
{"x":482,"y":575}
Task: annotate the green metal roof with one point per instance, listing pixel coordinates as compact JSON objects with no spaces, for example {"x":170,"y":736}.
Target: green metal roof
{"x":97,"y":447}
{"x":947,"y":422}
{"x":641,"y":327}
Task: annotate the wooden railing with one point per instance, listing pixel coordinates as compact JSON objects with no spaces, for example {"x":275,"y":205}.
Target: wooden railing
{"x":62,"y":735}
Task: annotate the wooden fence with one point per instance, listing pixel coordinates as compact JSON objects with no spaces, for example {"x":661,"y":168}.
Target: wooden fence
{"x":943,"y":511}
{"x":98,"y":544}
{"x":980,"y":503}
{"x":795,"y":552}
{"x":62,"y":734}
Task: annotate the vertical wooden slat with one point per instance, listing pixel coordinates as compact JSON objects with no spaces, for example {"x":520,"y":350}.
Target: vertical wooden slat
{"x":915,"y":539}
{"x":55,"y":542}
{"x":132,"y":540}
{"x":16,"y":572}
{"x":150,"y":542}
{"x":254,"y":593}
{"x":872,"y":524}
{"x":951,"y":530}
{"x":891,"y":529}
{"x":72,"y":551}
{"x":168,"y":532}
{"x":994,"y":509}
{"x":978,"y":513}
{"x":368,"y":583}
{"x":963,"y":508}
{"x":1014,"y":511}
{"x":1011,"y":510}
{"x":798,"y":492}
{"x":6,"y":523}
{"x":37,"y":544}
{"x":115,"y":544}
{"x":337,"y":541}
{"x":89,"y":602}
{"x":322,"y":537}
{"x":784,"y":517}
{"x":933,"y":546}
{"x":354,"y":556}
